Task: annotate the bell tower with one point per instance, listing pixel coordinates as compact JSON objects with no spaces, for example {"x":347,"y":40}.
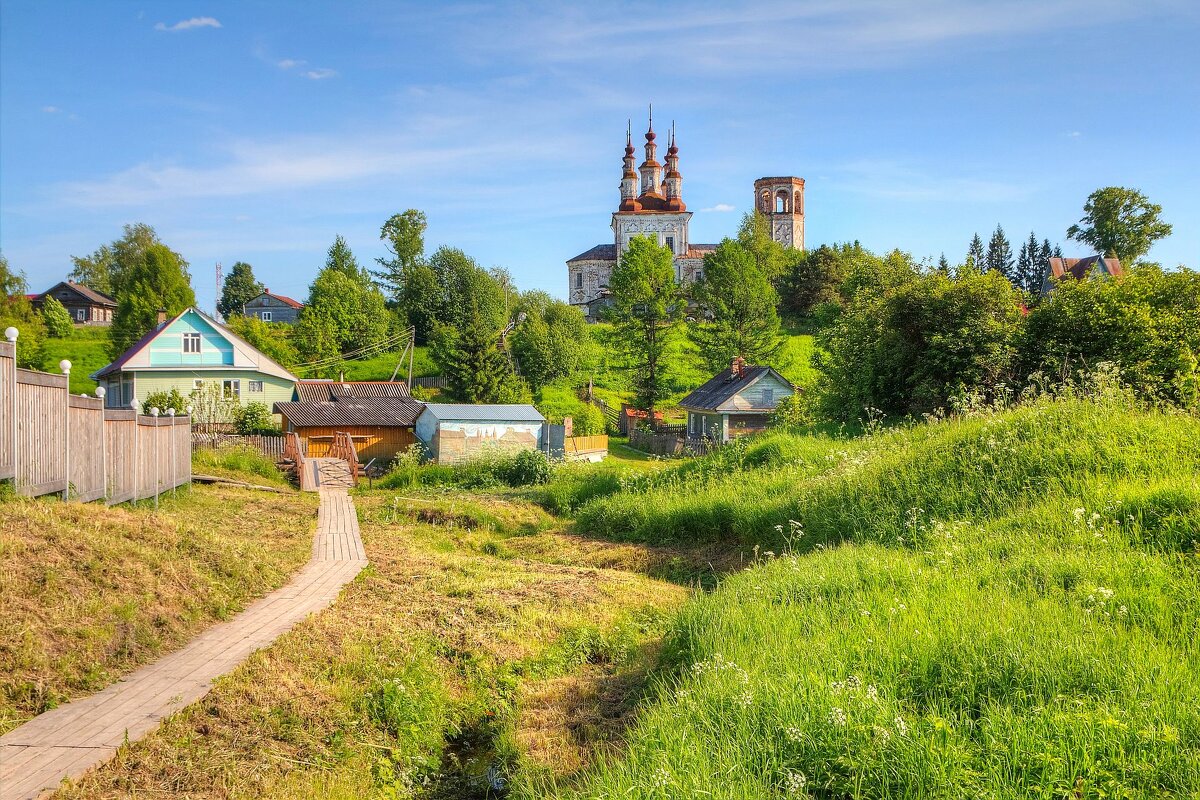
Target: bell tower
{"x":781,"y":201}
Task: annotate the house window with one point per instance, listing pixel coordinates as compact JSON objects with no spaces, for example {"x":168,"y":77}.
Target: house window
{"x":191,"y":343}
{"x":265,"y":316}
{"x":768,"y":396}
{"x":80,"y":314}
{"x":232,"y":387}
{"x":197,"y":384}
{"x":255,"y":387}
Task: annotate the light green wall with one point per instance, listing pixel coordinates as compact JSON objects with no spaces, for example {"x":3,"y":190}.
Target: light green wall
{"x":274,"y":389}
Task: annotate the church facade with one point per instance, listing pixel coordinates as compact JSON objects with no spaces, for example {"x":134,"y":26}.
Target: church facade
{"x":652,"y":205}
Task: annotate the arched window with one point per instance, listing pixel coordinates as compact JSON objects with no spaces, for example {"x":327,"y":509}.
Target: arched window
{"x":765,"y":202}
{"x":781,"y":202}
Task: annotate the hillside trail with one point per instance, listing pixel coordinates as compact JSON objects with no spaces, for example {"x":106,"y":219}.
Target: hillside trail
{"x":74,"y":738}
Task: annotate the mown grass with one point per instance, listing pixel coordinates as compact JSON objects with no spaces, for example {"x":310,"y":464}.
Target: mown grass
{"x":462,"y":645}
{"x":90,"y":593}
{"x":995,"y":607}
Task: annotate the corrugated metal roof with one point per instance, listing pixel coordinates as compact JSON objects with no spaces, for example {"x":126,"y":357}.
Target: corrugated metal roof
{"x":601,"y":252}
{"x":518,"y":412}
{"x":385,"y":411}
{"x":724,"y":385}
{"x":325,"y":389}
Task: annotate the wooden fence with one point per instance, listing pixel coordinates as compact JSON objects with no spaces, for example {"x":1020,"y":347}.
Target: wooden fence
{"x":53,"y":441}
{"x":272,"y":446}
{"x":432,"y":382}
{"x":576,"y":447}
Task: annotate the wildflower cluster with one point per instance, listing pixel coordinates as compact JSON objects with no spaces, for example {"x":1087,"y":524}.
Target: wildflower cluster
{"x":1100,"y":602}
{"x":794,"y":784}
{"x":718,"y":665}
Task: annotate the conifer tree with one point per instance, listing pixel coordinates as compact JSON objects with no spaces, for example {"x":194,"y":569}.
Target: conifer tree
{"x":943,"y":265}
{"x":1029,"y":266}
{"x":975,"y":257}
{"x":999,"y":255}
{"x":477,"y":368}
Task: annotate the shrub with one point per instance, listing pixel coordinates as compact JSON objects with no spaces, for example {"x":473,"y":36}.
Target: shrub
{"x":793,"y":411}
{"x":528,"y":468}
{"x":164,"y":400}
{"x":254,"y":418}
{"x":589,"y":421}
{"x":57,"y":319}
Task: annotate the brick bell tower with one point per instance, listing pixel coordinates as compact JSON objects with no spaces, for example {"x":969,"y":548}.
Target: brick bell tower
{"x":781,"y":201}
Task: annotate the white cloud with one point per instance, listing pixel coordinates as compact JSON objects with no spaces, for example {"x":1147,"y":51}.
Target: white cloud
{"x":720,"y":207}
{"x":1074,"y":135}
{"x":320,"y":74}
{"x":893,"y":180}
{"x":188,"y":24}
{"x":52,"y":109}
{"x":288,"y":63}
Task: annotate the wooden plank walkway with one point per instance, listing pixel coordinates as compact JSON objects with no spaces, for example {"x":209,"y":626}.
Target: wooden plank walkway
{"x":71,"y":739}
{"x":325,"y":473}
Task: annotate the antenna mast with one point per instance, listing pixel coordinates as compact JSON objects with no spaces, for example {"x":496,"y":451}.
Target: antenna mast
{"x":220,"y":283}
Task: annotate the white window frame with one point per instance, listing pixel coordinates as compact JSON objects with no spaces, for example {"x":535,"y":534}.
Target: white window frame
{"x":254,"y":387}
{"x":265,"y":316}
{"x":81,"y":315}
{"x":191,"y":337}
{"x":197,"y":383}
{"x":231,"y":387}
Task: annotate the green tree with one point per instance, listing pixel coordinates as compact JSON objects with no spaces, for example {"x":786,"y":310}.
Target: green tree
{"x":346,"y":313}
{"x":17,"y":312}
{"x":999,"y":256}
{"x":912,"y":347}
{"x":106,"y":270}
{"x":158,"y":280}
{"x":647,"y":308}
{"x":975,"y":254}
{"x":552,"y":342}
{"x":1121,"y":222}
{"x":470,"y":356}
{"x":772,"y":258}
{"x":272,"y":338}
{"x":404,"y":237}
{"x":57,"y":318}
{"x":814,"y":278}
{"x":239,"y":288}
{"x":342,"y":259}
{"x":738,"y":305}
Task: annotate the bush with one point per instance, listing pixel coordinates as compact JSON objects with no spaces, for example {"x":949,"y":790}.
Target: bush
{"x":165,"y":400}
{"x":589,"y":421}
{"x":254,"y":418}
{"x":528,"y":468}
{"x":57,"y":319}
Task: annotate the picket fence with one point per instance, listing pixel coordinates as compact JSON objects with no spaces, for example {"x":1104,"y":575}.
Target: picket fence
{"x":52,"y":441}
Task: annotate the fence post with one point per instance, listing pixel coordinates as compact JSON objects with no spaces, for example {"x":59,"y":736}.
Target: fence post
{"x":137,"y":454}
{"x":100,"y":392}
{"x":157,"y":464}
{"x":171,"y":414}
{"x":11,"y":334}
{"x":65,"y":366}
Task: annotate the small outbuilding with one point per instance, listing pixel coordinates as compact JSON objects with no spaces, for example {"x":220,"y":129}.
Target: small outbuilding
{"x":380,"y":426}
{"x":735,"y":402}
{"x":1080,"y":268}
{"x":456,"y":432}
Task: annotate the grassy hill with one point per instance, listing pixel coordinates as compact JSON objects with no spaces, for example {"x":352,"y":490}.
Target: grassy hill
{"x":87,"y":350}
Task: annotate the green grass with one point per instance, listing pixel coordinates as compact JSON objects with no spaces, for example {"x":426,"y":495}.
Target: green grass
{"x":87,"y":350}
{"x":997,"y":607}
{"x":380,"y":367}
{"x":246,"y":464}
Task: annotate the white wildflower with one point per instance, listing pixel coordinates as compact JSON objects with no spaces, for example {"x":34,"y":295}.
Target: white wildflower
{"x":794,"y":783}
{"x":901,"y":725}
{"x":837,"y":716}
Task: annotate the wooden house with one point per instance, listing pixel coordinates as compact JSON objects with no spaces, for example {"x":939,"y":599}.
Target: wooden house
{"x":187,"y":352}
{"x":455,"y":432}
{"x":273,"y":308}
{"x":379,"y":417}
{"x":1079,"y":269}
{"x":735,"y":402}
{"x":85,"y":305}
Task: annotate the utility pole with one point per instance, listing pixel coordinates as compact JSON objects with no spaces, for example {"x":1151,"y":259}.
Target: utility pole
{"x":220,"y":284}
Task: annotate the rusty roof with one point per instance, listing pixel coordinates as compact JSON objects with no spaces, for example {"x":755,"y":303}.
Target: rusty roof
{"x":328,"y":390}
{"x":352,"y":412}
{"x":86,"y":292}
{"x":1081,"y":267}
{"x":287,"y":301}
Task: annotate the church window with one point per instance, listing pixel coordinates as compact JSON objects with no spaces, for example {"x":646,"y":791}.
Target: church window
{"x":781,"y":200}
{"x":670,"y":243}
{"x":578,"y":280}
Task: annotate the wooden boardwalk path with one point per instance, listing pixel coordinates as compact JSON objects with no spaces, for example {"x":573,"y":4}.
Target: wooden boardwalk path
{"x":71,"y":739}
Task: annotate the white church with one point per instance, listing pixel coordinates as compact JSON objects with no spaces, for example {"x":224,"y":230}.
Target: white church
{"x":652,"y":205}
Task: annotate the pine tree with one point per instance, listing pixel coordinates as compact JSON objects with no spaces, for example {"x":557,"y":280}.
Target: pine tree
{"x":1029,"y":266}
{"x":477,"y":368}
{"x":238,"y":289}
{"x":999,"y":255}
{"x":739,"y":304}
{"x":943,"y":265}
{"x":975,"y":256}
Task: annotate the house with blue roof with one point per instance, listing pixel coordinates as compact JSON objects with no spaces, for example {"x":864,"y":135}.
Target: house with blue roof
{"x":190,"y":351}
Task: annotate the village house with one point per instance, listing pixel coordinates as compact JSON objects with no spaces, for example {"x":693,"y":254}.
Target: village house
{"x":735,"y":402}
{"x":652,"y":205}
{"x":1080,"y":268}
{"x":379,"y":416}
{"x":273,"y":308}
{"x":188,"y":352}
{"x":456,"y":432}
{"x":85,"y":305}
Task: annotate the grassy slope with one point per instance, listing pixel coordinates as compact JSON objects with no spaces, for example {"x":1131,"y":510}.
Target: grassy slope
{"x":472,"y":637}
{"x":86,"y":349}
{"x":90,"y":593}
{"x":380,"y":368}
{"x":996,"y":607}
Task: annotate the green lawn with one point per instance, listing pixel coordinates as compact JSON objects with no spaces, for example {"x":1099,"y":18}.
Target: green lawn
{"x":86,"y":349}
{"x":380,"y":367}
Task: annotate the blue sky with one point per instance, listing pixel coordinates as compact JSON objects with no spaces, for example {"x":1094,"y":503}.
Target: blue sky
{"x":258,"y":131}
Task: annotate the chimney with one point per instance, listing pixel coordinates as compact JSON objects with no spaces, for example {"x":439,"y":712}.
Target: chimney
{"x":266,"y":290}
{"x":735,"y":367}
{"x":162,"y":316}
